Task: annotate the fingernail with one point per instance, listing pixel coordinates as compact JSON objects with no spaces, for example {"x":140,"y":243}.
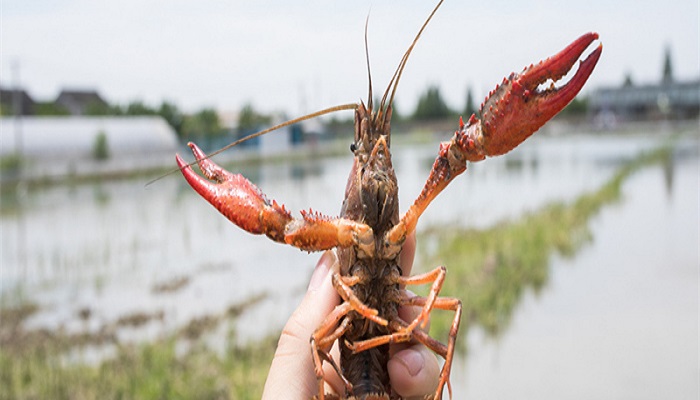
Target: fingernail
{"x":321,"y":270}
{"x":412,"y":360}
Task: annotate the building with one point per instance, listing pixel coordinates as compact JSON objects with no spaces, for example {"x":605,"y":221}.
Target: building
{"x":15,"y":102}
{"x":80,"y":102}
{"x":72,"y":102}
{"x":668,"y":99}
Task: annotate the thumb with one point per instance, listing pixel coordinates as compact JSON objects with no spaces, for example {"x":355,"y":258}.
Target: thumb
{"x":292,"y":369}
{"x":319,"y":300}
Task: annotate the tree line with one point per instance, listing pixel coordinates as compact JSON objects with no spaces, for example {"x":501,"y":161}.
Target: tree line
{"x":206,"y":123}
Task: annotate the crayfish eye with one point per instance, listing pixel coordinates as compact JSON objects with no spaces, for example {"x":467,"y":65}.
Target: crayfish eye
{"x":353,"y":147}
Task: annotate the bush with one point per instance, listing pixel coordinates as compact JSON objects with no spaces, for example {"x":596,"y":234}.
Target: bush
{"x":100,"y":148}
{"x":11,"y":162}
{"x":431,"y":106}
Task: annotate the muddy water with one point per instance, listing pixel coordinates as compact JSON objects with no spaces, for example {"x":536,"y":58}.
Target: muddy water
{"x":618,"y":318}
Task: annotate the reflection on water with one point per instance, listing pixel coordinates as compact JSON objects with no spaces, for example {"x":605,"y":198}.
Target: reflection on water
{"x":110,"y":248}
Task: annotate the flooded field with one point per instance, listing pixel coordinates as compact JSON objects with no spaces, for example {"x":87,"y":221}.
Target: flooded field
{"x":616,"y":319}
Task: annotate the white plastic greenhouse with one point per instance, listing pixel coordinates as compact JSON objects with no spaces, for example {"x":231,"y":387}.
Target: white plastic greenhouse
{"x":56,"y":146}
{"x":71,"y":137}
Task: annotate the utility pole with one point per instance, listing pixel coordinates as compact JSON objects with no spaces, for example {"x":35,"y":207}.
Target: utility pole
{"x":17,"y":106}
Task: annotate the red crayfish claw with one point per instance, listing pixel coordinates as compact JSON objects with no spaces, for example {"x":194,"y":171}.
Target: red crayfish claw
{"x":246,"y":205}
{"x":518,"y":107}
{"x":235,"y":197}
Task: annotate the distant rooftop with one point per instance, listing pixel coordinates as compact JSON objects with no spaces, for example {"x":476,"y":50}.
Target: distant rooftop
{"x":73,"y":101}
{"x":77,"y":102}
{"x":12,"y":99}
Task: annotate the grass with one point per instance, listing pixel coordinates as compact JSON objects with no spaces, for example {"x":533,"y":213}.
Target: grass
{"x":148,"y":371}
{"x":10,"y":162}
{"x":34,"y":363}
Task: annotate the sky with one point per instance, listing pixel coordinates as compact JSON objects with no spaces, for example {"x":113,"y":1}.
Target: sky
{"x":298,"y":57}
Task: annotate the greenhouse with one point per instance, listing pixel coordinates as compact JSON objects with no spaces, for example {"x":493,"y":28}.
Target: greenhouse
{"x":56,"y":146}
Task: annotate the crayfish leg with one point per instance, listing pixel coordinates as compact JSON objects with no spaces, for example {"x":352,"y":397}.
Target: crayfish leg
{"x":436,"y":277}
{"x":451,"y":162}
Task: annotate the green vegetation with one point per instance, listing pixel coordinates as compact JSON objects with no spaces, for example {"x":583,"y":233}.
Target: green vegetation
{"x":577,"y":107}
{"x":148,"y":371}
{"x":250,"y":120}
{"x":469,"y":105}
{"x":432,"y":106}
{"x":10,"y":162}
{"x":50,"y":108}
{"x":204,"y":123}
{"x":97,"y":108}
{"x":34,"y":363}
{"x":489,"y":269}
{"x":100,"y":147}
{"x":172,"y":115}
{"x":667,"y":75}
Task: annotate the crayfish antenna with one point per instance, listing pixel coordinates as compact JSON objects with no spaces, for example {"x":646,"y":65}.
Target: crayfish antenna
{"x":394,"y":82}
{"x":369,"y":70}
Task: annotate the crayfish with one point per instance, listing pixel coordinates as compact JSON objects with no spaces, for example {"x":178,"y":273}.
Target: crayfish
{"x":369,"y":232}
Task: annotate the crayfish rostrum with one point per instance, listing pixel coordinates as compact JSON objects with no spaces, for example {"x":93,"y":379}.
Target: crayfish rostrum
{"x":369,"y":232}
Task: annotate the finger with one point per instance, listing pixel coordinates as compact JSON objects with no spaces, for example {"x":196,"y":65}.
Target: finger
{"x":414,"y":369}
{"x":414,"y":372}
{"x":408,"y":252}
{"x":292,"y":370}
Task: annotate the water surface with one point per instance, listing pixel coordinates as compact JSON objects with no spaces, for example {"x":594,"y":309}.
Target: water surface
{"x":619,"y":320}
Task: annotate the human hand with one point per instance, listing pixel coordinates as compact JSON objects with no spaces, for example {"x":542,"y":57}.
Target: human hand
{"x":413,"y":368}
